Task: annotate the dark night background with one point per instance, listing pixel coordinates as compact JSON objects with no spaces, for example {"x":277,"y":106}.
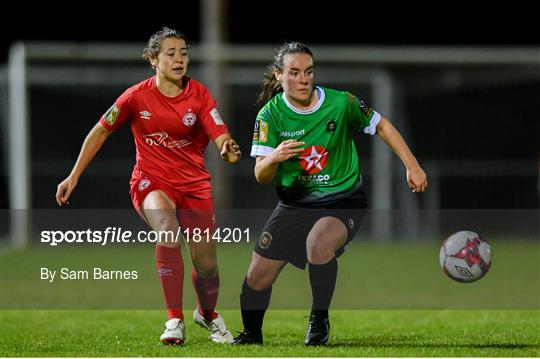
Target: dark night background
{"x":355,"y":23}
{"x":347,"y":22}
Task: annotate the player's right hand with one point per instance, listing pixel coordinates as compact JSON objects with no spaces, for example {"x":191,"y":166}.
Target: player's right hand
{"x":64,"y":189}
{"x":286,"y":150}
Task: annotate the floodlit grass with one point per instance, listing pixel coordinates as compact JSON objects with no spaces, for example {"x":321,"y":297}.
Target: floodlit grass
{"x":354,"y":333}
{"x":391,"y":300}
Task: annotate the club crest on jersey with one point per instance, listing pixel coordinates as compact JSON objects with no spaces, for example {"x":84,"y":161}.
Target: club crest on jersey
{"x":189,"y":119}
{"x":143,"y":184}
{"x":313,"y":159}
{"x":265,"y":240}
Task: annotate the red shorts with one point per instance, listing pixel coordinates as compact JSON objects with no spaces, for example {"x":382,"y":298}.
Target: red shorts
{"x":192,"y":211}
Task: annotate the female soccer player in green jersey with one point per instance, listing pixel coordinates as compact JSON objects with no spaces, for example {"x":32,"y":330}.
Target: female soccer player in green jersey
{"x":303,"y":144}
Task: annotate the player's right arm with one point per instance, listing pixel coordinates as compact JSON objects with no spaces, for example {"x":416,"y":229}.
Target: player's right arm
{"x":91,"y":145}
{"x":267,"y":149}
{"x":266,"y":166}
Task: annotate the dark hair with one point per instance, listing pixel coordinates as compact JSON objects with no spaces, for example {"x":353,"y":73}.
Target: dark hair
{"x":271,"y":86}
{"x":154,"y":43}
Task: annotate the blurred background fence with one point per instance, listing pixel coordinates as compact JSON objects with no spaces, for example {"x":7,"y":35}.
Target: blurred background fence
{"x":470,"y":114}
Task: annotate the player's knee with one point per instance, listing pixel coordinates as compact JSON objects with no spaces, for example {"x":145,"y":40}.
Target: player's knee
{"x":258,"y":279}
{"x":319,"y":252}
{"x":164,"y":222}
{"x":206,"y":267}
{"x":320,"y":258}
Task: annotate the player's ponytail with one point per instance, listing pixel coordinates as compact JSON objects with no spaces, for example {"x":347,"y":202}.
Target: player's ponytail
{"x":271,"y":85}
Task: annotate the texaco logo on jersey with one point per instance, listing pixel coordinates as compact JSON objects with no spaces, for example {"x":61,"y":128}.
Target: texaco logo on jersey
{"x":143,"y":184}
{"x":313,"y":159}
{"x":189,"y":119}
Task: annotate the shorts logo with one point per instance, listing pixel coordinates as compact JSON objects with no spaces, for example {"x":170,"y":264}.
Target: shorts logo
{"x":143,"y":184}
{"x":351,"y":223}
{"x":189,"y":119}
{"x":265,"y":241}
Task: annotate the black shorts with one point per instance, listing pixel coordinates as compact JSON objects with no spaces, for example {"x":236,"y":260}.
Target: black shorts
{"x":285,"y":233}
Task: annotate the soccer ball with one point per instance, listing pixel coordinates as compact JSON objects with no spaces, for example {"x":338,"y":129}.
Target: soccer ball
{"x":465,"y":256}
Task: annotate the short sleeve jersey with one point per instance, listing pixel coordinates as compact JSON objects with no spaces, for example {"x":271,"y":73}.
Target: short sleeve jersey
{"x":171,"y":133}
{"x":328,"y":165}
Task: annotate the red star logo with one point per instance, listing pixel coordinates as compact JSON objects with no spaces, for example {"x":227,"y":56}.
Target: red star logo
{"x":313,"y":159}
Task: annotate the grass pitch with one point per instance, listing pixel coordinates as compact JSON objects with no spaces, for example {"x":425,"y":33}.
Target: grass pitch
{"x":395,"y":333}
{"x":391,"y":300}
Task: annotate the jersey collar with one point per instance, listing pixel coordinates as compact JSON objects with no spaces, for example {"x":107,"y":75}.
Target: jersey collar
{"x":320,"y":94}
{"x":180,"y":96}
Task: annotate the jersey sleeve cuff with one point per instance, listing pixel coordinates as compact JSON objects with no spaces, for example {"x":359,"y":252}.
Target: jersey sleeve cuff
{"x":258,"y":150}
{"x":222,"y":129}
{"x":372,"y":128}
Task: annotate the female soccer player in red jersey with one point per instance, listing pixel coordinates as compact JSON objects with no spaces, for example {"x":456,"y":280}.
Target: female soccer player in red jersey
{"x":172,"y":118}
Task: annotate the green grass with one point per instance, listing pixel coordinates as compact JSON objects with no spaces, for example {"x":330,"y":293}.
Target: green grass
{"x":391,"y":300}
{"x":397,"y":275}
{"x":367,"y":333}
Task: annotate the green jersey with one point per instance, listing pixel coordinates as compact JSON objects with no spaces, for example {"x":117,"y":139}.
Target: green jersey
{"x":328,"y":167}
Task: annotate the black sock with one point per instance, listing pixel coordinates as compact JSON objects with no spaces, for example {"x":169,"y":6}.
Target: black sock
{"x":322,"y":278}
{"x":254,"y":304}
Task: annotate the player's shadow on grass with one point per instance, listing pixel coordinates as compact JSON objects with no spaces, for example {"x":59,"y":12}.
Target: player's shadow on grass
{"x":401,"y":341}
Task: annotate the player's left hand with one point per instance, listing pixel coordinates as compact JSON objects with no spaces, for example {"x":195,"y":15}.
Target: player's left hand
{"x":417,"y":179}
{"x":230,"y":151}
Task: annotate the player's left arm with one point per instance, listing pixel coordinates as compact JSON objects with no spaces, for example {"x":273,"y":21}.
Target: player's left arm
{"x":228,"y":148}
{"x":416,"y":177}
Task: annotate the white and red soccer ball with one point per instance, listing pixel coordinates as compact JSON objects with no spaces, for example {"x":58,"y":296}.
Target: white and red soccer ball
{"x":465,"y":256}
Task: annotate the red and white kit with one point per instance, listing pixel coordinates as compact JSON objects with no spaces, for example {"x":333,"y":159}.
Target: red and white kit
{"x":171,"y":134}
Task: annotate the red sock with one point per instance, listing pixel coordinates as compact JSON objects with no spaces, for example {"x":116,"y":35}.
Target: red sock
{"x":171,"y":274}
{"x":207,"y":290}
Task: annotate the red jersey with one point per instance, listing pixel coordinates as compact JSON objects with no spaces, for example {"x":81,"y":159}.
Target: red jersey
{"x":171,"y":133}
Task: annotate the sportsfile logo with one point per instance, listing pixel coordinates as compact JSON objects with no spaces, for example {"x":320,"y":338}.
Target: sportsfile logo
{"x":118,"y":235}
